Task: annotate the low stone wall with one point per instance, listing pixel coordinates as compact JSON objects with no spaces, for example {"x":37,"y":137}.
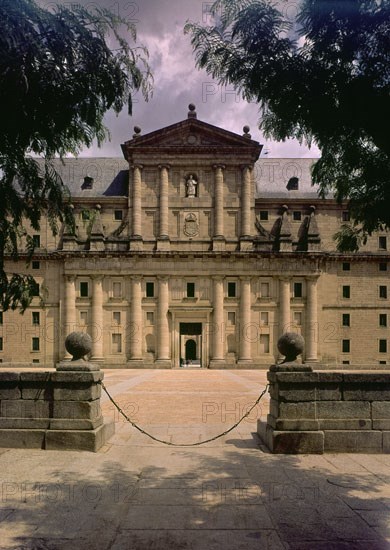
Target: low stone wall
{"x":319,"y":411}
{"x":52,"y":410}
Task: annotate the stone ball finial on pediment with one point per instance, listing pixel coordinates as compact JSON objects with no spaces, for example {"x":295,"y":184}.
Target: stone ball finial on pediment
{"x":137,"y":132}
{"x":246,"y":131}
{"x":192,"y":111}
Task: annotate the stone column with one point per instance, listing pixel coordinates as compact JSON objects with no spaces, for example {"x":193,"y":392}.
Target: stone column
{"x":218,"y":200}
{"x":136,"y":323}
{"x":163,"y":205}
{"x":162,"y":320}
{"x":97,"y":318}
{"x":245,"y":354}
{"x":69,"y":309}
{"x":136,"y":202}
{"x":218,"y":354}
{"x":284,"y":305}
{"x":312,"y":320}
{"x":246,"y":199}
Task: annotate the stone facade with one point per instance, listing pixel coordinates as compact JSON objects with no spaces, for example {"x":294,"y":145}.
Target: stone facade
{"x":194,"y":248}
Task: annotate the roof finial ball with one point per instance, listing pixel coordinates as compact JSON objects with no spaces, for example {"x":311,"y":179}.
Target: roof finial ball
{"x":137,"y":131}
{"x":191,"y":111}
{"x":246,"y":130}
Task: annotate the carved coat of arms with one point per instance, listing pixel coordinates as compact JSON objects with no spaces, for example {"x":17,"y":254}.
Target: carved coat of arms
{"x":191,"y":226}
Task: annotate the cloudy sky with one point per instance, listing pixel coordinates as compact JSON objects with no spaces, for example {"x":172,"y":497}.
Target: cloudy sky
{"x":176,"y":80}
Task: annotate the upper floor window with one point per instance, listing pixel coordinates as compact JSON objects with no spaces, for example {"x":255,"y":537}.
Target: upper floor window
{"x":117,"y":289}
{"x":190,"y":290}
{"x":383,"y":266}
{"x":297,"y":216}
{"x":1,"y":317}
{"x":346,"y":291}
{"x":345,"y":216}
{"x":84,"y":290}
{"x":36,"y":241}
{"x":149,"y":289}
{"x":231,"y":289}
{"x":35,"y":318}
{"x":264,"y":290}
{"x":263,"y":215}
{"x":346,"y":266}
{"x":382,"y":243}
{"x":346,"y":320}
{"x":297,"y":290}
{"x":35,"y":290}
{"x":383,"y":291}
{"x":118,"y":215}
{"x":383,"y":320}
{"x":35,"y":264}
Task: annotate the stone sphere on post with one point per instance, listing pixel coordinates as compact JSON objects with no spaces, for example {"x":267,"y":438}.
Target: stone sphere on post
{"x":78,"y":344}
{"x":291,"y":345}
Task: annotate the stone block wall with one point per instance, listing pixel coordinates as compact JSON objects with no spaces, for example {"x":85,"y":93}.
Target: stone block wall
{"x":317,"y":412}
{"x":52,"y":410}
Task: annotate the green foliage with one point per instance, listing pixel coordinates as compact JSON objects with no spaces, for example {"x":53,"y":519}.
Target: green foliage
{"x":328,"y":83}
{"x":59,"y":77}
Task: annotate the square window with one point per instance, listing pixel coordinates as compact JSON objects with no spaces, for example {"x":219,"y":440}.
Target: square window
{"x":150,"y":318}
{"x":35,"y":264}
{"x":117,"y":290}
{"x":383,"y":266}
{"x":346,"y":320}
{"x":264,"y":290}
{"x":84,"y":291}
{"x":383,"y":320}
{"x":231,"y":318}
{"x":345,"y":216}
{"x":346,"y":346}
{"x":346,"y":291}
{"x":297,"y":290}
{"x":35,"y":318}
{"x":231,"y":289}
{"x":298,"y":318}
{"x":116,"y":317}
{"x":35,"y":343}
{"x":382,"y":346}
{"x":346,"y":266}
{"x":297,"y":216}
{"x":85,"y":215}
{"x":118,"y":215}
{"x":264,"y":343}
{"x":35,"y":289}
{"x":382,"y":243}
{"x":36,"y":241}
{"x":264,"y":318}
{"x":116,"y":343}
{"x":83,"y":318}
{"x":1,"y":343}
{"x":190,"y":290}
{"x":263,"y":215}
{"x":149,"y":290}
{"x":383,"y":291}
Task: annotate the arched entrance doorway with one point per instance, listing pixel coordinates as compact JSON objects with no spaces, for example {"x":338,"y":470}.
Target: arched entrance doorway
{"x":191,"y":350}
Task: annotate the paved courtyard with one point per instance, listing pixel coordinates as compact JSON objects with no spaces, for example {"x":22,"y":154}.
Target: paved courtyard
{"x":136,"y":494}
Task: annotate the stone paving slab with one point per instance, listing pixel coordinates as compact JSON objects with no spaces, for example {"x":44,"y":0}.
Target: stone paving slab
{"x":137,"y":494}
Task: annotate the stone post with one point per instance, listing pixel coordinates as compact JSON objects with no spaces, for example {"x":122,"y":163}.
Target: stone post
{"x":97,"y":318}
{"x":136,"y":206}
{"x":136,"y":323}
{"x":218,"y":201}
{"x":162,"y":320}
{"x":312,"y":320}
{"x":69,"y":308}
{"x":218,"y":321}
{"x":245,"y":355}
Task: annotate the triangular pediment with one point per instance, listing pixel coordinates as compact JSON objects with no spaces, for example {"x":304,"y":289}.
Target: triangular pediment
{"x":191,"y":134}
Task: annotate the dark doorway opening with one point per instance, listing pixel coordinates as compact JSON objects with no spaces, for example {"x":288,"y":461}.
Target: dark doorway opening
{"x":191,"y":350}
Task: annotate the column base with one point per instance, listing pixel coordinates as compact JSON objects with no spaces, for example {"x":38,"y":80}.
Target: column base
{"x":244,"y":362}
{"x":217,"y":364}
{"x":163,"y":243}
{"x":219,"y":243}
{"x":97,"y":359}
{"x":246,"y":243}
{"x":135,"y":363}
{"x":163,"y":364}
{"x":311,"y":360}
{"x":136,"y":243}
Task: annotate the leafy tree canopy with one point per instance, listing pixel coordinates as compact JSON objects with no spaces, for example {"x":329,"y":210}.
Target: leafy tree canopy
{"x":328,"y":82}
{"x":59,"y":76}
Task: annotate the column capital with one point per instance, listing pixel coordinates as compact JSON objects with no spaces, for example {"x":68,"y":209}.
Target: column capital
{"x":134,"y":166}
{"x":71,"y":278}
{"x":164,"y":165}
{"x":136,"y":277}
{"x":285,"y":278}
{"x":163,"y":277}
{"x":222,"y":166}
{"x":96,"y":277}
{"x":218,"y":277}
{"x":246,"y":278}
{"x":246,"y":166}
{"x":312,"y":278}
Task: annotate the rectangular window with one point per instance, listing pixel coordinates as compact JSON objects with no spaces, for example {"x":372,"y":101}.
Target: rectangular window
{"x":35,"y":264}
{"x":35,"y":360}
{"x":118,"y":215}
{"x":149,"y":290}
{"x":346,"y":266}
{"x":383,"y":291}
{"x":297,"y":290}
{"x":382,"y":243}
{"x":190,"y":290}
{"x":346,"y":346}
{"x":297,"y":216}
{"x":346,"y":362}
{"x":382,"y":346}
{"x":264,"y":343}
{"x":35,"y":318}
{"x":84,"y":291}
{"x":346,"y":291}
{"x":36,"y":241}
{"x":231,"y":318}
{"x":298,"y":318}
{"x":35,"y":289}
{"x":1,"y":343}
{"x":264,"y":318}
{"x":383,"y":320}
{"x":150,"y":318}
{"x":264,"y":290}
{"x":383,"y":266}
{"x":1,"y":318}
{"x":35,"y":343}
{"x":116,"y":343}
{"x":231,"y":289}
{"x":382,"y":362}
{"x":346,"y":320}
{"x":116,"y":317}
{"x":345,"y":216}
{"x":117,"y":290}
{"x":83,"y":318}
{"x":263,"y":215}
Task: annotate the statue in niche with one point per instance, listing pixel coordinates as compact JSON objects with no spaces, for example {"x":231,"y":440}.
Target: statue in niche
{"x":191,"y":186}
